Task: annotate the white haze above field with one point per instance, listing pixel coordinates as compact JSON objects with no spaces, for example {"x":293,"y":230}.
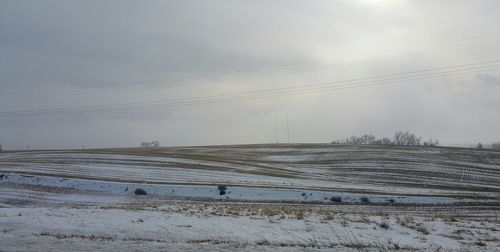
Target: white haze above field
{"x":59,"y":54}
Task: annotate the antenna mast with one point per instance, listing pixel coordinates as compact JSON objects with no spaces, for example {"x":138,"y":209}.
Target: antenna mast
{"x":275,"y":130}
{"x":287,"y":129}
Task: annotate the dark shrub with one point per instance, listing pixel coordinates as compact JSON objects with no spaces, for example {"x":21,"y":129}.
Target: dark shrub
{"x":396,"y":246}
{"x":140,"y":191}
{"x":222,"y":189}
{"x":365,"y":200}
{"x":384,"y":225}
{"x":391,"y":200}
{"x":336,"y":199}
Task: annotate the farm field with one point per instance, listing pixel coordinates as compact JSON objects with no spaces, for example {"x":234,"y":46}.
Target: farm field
{"x":266,"y":197}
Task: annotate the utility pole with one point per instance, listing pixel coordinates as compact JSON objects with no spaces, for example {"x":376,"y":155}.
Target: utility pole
{"x":275,"y":130}
{"x":287,"y":129}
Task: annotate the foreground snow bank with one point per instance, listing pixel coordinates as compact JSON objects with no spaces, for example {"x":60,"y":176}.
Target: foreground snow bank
{"x":190,"y":226}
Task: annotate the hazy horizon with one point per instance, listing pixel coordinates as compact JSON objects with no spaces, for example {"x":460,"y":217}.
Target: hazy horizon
{"x":118,"y":73}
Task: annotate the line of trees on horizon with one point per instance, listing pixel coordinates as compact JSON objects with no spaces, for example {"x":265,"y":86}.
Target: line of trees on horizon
{"x":404,"y":138}
{"x":495,"y":146}
{"x":150,"y":145}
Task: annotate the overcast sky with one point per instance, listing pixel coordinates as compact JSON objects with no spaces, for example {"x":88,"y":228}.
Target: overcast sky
{"x":74,"y":54}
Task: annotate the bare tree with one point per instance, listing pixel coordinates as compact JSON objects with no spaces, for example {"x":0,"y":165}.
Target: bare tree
{"x":386,"y":141}
{"x":364,"y":139}
{"x":406,"y":138}
{"x":368,"y":139}
{"x":479,"y":145}
{"x":400,"y":138}
{"x":155,"y":144}
{"x":431,"y":142}
{"x":495,"y":145}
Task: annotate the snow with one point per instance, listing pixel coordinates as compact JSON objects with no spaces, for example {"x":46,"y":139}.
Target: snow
{"x":169,"y":225}
{"x":381,"y":169}
{"x":211,"y":192}
{"x":278,"y":198}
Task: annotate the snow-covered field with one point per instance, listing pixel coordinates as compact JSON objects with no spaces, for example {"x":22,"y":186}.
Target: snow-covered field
{"x":277,"y":197}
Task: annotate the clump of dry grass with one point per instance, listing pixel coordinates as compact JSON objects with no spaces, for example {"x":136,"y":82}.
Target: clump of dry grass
{"x":132,"y":207}
{"x":409,"y":222}
{"x":406,"y":221}
{"x":365,"y":218}
{"x":344,"y":222}
{"x":329,"y":216}
{"x":384,"y":214}
{"x":300,"y":214}
{"x":384,"y":224}
{"x":480,"y":243}
{"x":271,"y":211}
{"x":422,"y":229}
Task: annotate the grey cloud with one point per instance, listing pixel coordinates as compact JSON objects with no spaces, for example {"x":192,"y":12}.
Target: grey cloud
{"x":82,"y":53}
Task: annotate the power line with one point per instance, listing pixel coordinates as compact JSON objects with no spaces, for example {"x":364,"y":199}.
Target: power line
{"x":198,"y":100}
{"x":347,"y":81}
{"x":187,"y":78}
{"x":302,"y":89}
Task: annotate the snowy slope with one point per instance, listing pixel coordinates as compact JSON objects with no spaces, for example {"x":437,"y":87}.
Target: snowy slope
{"x":361,"y":169}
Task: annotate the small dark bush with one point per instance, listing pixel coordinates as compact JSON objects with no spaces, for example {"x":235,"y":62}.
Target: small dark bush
{"x":396,"y":246}
{"x":392,"y":200}
{"x":140,"y":191}
{"x":365,"y":200}
{"x":222,"y":189}
{"x":336,"y":199}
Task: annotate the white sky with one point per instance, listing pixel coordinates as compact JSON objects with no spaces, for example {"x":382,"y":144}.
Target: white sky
{"x":60,"y":54}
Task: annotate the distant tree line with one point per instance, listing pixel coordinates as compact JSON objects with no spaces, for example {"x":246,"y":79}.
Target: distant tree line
{"x":495,"y":146}
{"x":405,"y":138}
{"x":148,"y":145}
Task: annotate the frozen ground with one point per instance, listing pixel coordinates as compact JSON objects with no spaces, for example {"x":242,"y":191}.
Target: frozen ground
{"x":238,"y":193}
{"x":278,"y":197}
{"x":381,"y":169}
{"x":66,"y":221}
